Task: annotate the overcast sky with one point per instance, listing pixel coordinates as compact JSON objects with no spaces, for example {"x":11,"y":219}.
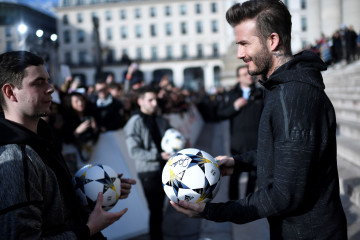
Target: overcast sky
{"x":46,"y":6}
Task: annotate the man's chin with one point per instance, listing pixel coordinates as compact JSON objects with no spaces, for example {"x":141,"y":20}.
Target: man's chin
{"x":42,"y":114}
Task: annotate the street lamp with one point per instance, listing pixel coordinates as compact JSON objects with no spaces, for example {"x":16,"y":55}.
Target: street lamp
{"x":53,"y":37}
{"x":22,"y":28}
{"x":39,"y":33}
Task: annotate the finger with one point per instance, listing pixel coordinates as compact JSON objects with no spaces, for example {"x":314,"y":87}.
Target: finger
{"x":99,"y":200}
{"x":180,"y":209}
{"x":129,"y":181}
{"x":120,"y":175}
{"x":121,"y":213}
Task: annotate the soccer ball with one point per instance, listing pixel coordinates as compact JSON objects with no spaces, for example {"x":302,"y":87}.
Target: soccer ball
{"x":172,"y":141}
{"x":192,"y":175}
{"x":92,"y":179}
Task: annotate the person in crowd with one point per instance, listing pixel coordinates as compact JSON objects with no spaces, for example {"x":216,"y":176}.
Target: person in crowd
{"x":37,"y":197}
{"x":144,"y":132}
{"x":110,"y":110}
{"x":133,"y":78}
{"x":80,"y":127}
{"x":116,"y":90}
{"x":298,"y":183}
{"x":350,"y":40}
{"x":337,"y":47}
{"x":243,"y":106}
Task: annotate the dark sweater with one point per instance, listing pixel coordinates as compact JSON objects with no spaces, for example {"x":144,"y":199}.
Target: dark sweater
{"x":296,"y":159}
{"x":45,"y":205}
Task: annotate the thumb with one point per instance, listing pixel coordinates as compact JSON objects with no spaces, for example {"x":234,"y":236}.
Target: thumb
{"x":99,"y":200}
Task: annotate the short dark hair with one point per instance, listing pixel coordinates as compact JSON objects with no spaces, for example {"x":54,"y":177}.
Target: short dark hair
{"x":270,"y":15}
{"x":12,"y":68}
{"x":238,"y":68}
{"x":145,"y":89}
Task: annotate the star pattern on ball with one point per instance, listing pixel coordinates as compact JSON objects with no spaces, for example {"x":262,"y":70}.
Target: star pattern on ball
{"x":176,"y":183}
{"x":206,"y":192}
{"x":198,"y":160}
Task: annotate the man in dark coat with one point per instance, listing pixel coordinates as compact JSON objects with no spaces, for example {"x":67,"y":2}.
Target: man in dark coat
{"x":298,"y":183}
{"x":242,"y":105}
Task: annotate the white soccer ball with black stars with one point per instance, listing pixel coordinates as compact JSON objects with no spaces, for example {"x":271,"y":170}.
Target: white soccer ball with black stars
{"x":92,"y":179}
{"x":172,"y":141}
{"x":192,"y":175}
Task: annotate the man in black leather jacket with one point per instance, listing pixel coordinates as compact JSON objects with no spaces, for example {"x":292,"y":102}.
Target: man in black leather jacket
{"x":296,"y":154}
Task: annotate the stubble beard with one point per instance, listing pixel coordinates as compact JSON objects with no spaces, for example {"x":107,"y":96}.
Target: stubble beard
{"x":262,"y":61}
{"x":41,"y":114}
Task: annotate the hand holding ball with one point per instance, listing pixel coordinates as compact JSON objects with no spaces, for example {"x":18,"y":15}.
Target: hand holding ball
{"x":92,"y":179}
{"x":192,"y":175}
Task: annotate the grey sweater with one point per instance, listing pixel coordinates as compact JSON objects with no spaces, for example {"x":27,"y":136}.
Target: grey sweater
{"x":140,"y":144}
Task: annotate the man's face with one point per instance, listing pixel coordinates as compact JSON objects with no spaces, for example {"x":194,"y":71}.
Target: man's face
{"x":251,"y":49}
{"x":34,"y":98}
{"x":244,"y":78}
{"x":148,"y":103}
{"x":101,"y":90}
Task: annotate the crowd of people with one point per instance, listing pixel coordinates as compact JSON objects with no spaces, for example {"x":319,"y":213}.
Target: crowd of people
{"x":286,"y":137}
{"x":344,"y":44}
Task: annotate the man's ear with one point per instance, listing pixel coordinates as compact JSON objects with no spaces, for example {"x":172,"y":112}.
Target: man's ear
{"x":8,"y":91}
{"x":139,"y":101}
{"x":273,"y":42}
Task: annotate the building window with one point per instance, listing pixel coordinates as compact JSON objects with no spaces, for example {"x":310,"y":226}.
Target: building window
{"x":9,"y":46}
{"x":137,"y":13}
{"x":184,"y":51}
{"x":286,"y":2}
{"x":93,"y":15}
{"x":303,"y":24}
{"x":138,"y":53}
{"x":152,"y":12}
{"x":67,"y":38}
{"x":199,"y":49}
{"x":108,"y":33}
{"x":80,"y":18}
{"x":79,"y":2}
{"x":182,"y":9}
{"x":214,"y":7}
{"x":124,"y":52}
{"x":168,"y":29}
{"x":65,"y":19}
{"x":304,"y":43}
{"x":199,"y":27}
{"x":303,"y":4}
{"x":138,"y":31}
{"x":68,"y":58}
{"x":215,"y":48}
{"x":153,"y":30}
{"x":122,"y":14}
{"x":167,"y":11}
{"x":80,"y":36}
{"x":153,"y":53}
{"x":8,"y":32}
{"x":82,"y":57}
{"x":66,"y":3}
{"x":108,"y":16}
{"x":214,"y":26}
{"x":110,"y":56}
{"x":198,"y":8}
{"x":123,"y":31}
{"x":169,"y":54}
{"x":183,"y":28}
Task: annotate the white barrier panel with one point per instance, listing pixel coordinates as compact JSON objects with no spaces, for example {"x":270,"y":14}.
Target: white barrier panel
{"x":189,"y":124}
{"x":111,"y":150}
